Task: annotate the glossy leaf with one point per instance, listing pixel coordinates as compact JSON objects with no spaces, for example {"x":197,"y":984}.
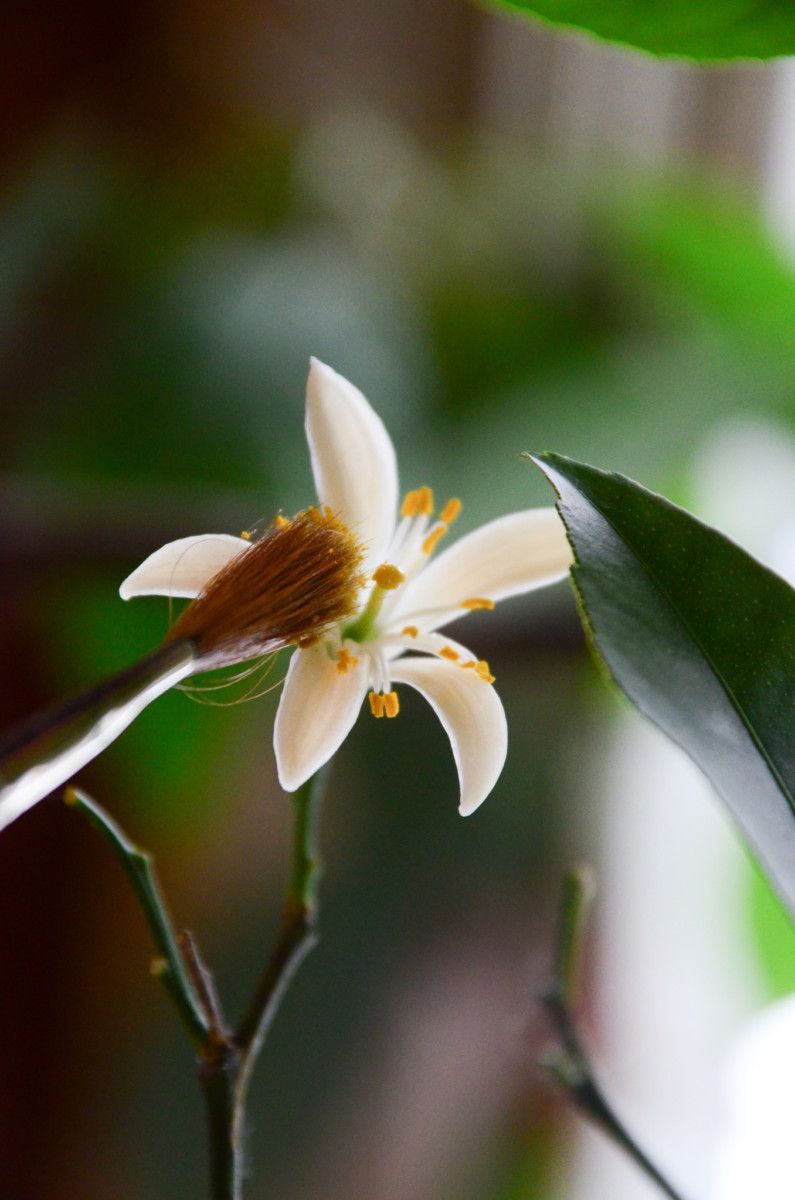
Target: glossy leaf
{"x":708,"y":30}
{"x":700,"y":637}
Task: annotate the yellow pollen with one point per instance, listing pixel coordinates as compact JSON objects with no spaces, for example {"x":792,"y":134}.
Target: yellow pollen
{"x":469,"y":664}
{"x":314,"y":514}
{"x":477,"y":602}
{"x":246,"y":535}
{"x":388,"y":577}
{"x":449,"y":652}
{"x":450,"y":511}
{"x":280,"y":522}
{"x":345,"y":661}
{"x":425,"y":501}
{"x":410,"y":505}
{"x":433,"y":539}
{"x":391,"y":704}
{"x":410,"y":631}
{"x":482,"y":669}
{"x":376,"y":704}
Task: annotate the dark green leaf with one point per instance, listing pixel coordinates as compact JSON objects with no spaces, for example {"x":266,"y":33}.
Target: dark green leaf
{"x":708,"y":29}
{"x":700,"y":637}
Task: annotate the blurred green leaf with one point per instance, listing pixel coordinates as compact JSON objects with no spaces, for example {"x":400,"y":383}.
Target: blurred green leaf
{"x":699,"y":636}
{"x":709,"y":30}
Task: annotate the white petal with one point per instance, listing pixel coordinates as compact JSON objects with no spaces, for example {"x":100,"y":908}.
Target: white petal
{"x":353,"y":459}
{"x":507,"y":557}
{"x":318,"y":708}
{"x":183,"y":567}
{"x":473,"y":718}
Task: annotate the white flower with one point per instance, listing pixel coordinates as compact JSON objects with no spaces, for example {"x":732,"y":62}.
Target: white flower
{"x":409,"y":595}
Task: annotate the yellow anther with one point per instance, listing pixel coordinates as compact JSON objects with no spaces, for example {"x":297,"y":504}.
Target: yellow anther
{"x":450,"y":511}
{"x":425,"y":501}
{"x":470,"y":663}
{"x":482,"y":669}
{"x":377,"y":704}
{"x":449,"y":652}
{"x":391,"y":704}
{"x":410,"y":631}
{"x":314,"y":514}
{"x":280,"y":522}
{"x":388,"y":576}
{"x":246,"y":535}
{"x":477,"y":602}
{"x":345,"y":661}
{"x":433,"y":539}
{"x":410,"y":505}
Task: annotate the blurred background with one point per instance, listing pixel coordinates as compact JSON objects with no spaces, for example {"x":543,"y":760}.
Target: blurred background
{"x":508,"y":239}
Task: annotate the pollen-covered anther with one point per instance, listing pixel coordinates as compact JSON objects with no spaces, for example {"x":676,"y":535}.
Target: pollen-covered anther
{"x":388,"y":577}
{"x":289,"y":585}
{"x":418,"y":502}
{"x":410,"y":631}
{"x":376,"y":704}
{"x":483,"y":670}
{"x":345,"y":661}
{"x":449,"y":653}
{"x":433,"y":539}
{"x":450,"y":511}
{"x":476,"y":602}
{"x":391,"y":704}
{"x":280,"y":522}
{"x":246,"y":535}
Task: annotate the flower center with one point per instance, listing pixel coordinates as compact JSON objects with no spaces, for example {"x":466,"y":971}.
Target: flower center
{"x":386,"y":578}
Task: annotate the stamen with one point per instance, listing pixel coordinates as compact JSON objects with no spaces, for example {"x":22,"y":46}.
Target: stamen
{"x":483,"y":670}
{"x":478,"y":602}
{"x":391,"y":704}
{"x":433,"y":539}
{"x":425,"y":501}
{"x":281,"y":522}
{"x":388,"y":577}
{"x":410,"y":631}
{"x":410,"y":505}
{"x":345,"y":661}
{"x":377,"y":704}
{"x":450,"y":511}
{"x":449,"y":652}
{"x":246,"y":535}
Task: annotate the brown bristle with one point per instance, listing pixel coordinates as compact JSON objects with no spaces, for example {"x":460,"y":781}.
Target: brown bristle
{"x":300,"y":577}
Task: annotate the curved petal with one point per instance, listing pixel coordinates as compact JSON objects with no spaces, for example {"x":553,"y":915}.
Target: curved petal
{"x":473,"y":718}
{"x":317,"y":710}
{"x":514,"y":554}
{"x":183,"y":567}
{"x":353,"y":460}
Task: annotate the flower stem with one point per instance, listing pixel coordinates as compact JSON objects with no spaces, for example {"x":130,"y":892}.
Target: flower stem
{"x":569,"y":1062}
{"x":170,"y":967}
{"x":296,"y":937}
{"x":226,"y":1062}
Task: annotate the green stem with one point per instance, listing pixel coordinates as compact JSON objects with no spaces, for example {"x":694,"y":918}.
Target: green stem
{"x":226,"y":1063}
{"x":295,"y":939}
{"x":569,"y":1063}
{"x":170,"y":967}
